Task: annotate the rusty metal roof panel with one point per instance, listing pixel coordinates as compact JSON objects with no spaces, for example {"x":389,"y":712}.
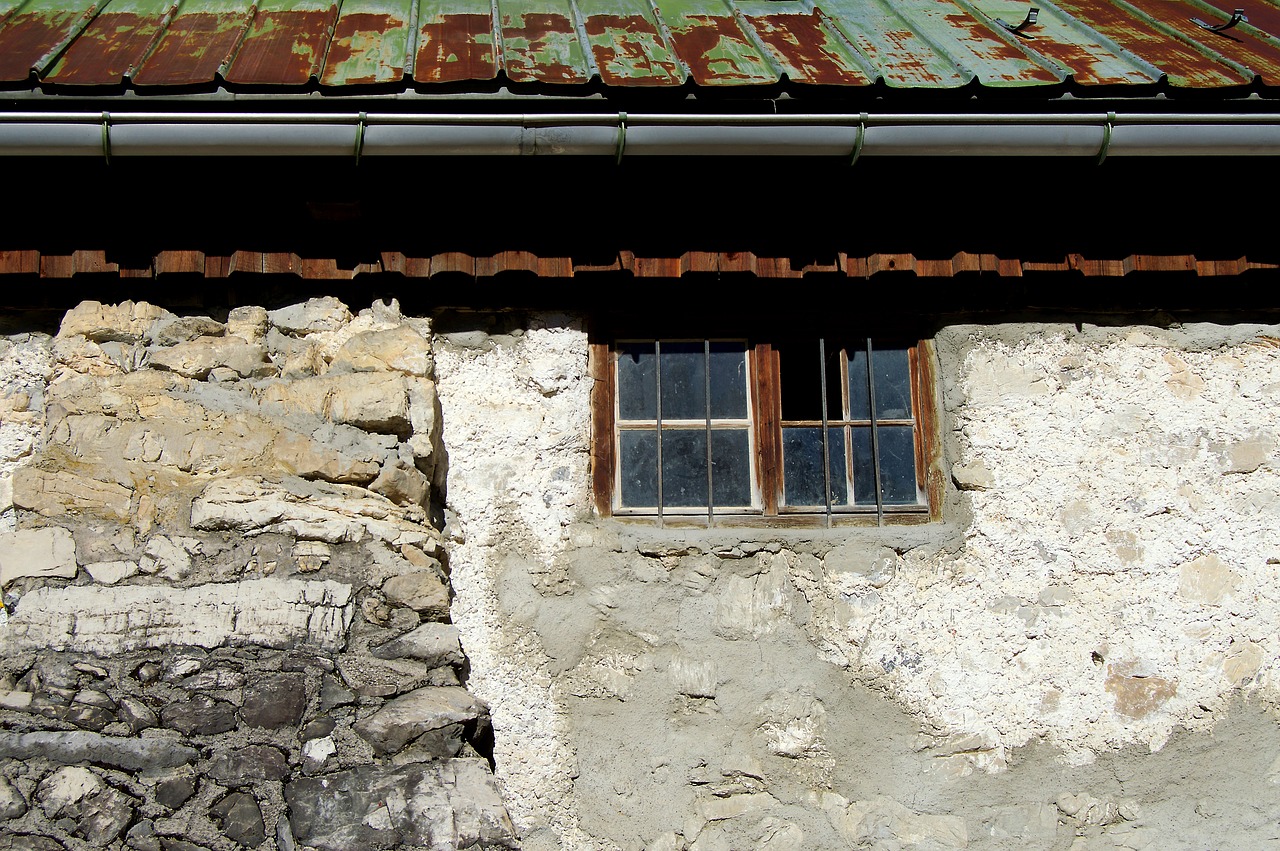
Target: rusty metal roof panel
{"x":1241,"y":45}
{"x":713,"y":45}
{"x":903,"y":57}
{"x":114,"y":44}
{"x":286,"y":43}
{"x":540,"y":42}
{"x":32,"y":33}
{"x":1089,"y":57}
{"x":805,"y":45}
{"x":370,"y":43}
{"x":1186,"y":64}
{"x":197,"y":43}
{"x":627,"y":44}
{"x":456,"y":42}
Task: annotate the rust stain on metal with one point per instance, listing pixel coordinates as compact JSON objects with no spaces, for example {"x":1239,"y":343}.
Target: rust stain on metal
{"x":459,"y":47}
{"x":1184,"y":65}
{"x":25,"y":38}
{"x":539,"y":49}
{"x":192,"y":49}
{"x":997,"y":53}
{"x":808,"y":50}
{"x":630,"y":52}
{"x":357,"y":55}
{"x":1237,"y":44}
{"x":904,"y":66}
{"x":1087,"y":67}
{"x":113,"y":44}
{"x":717,"y":52}
{"x":283,"y":48}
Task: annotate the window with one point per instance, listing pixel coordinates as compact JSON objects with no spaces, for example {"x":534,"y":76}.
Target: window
{"x":796,"y":428}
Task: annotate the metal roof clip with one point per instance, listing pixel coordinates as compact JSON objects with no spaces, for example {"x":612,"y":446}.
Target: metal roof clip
{"x":1236,"y":17}
{"x":1032,"y":14}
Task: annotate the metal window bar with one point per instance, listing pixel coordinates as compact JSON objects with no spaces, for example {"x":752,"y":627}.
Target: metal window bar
{"x":706,"y":374}
{"x":657,"y":377}
{"x":826,"y":449}
{"x":875,"y":434}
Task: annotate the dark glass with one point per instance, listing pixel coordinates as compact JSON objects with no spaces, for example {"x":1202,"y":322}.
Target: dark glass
{"x":684,"y":467}
{"x":639,"y":466}
{"x":864,"y":471}
{"x":637,"y":382}
{"x":893,"y":384}
{"x":897,"y":465}
{"x":731,"y":467}
{"x":802,"y":466}
{"x":684,"y":377}
{"x":728,"y":381}
{"x":859,"y":392}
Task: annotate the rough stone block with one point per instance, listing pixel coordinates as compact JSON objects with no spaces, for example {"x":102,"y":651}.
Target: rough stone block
{"x":402,"y":720}
{"x":37,"y":552}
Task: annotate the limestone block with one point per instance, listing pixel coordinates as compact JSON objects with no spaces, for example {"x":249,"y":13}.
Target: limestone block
{"x":310,"y":458}
{"x":1242,"y":662}
{"x":401,"y":483}
{"x":171,"y":330}
{"x":718,"y":809}
{"x":195,"y":359}
{"x":443,"y":805}
{"x":749,"y":607}
{"x":317,"y":314}
{"x":432,"y":643}
{"x":59,"y":493}
{"x":1137,"y":697}
{"x":1206,"y":579}
{"x":973,"y":476}
{"x":422,"y":590}
{"x":693,"y":677}
{"x":125,"y":322}
{"x":313,"y":511}
{"x":247,"y":323}
{"x":399,"y":349}
{"x":277,"y":613}
{"x":403,"y":719}
{"x":1245,"y":456}
{"x":373,"y":402}
{"x":111,"y":572}
{"x":882,"y":821}
{"x":50,"y":551}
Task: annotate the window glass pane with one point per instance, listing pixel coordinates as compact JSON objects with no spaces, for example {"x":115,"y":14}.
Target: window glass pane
{"x":638,"y":460}
{"x":728,"y":381}
{"x":637,"y":382}
{"x":802,"y":466}
{"x":859,"y":393}
{"x":864,"y":473}
{"x":893,"y":384}
{"x":731,"y":467}
{"x":684,"y":467}
{"x":800,"y":379}
{"x":684,"y":386}
{"x":897,"y":465}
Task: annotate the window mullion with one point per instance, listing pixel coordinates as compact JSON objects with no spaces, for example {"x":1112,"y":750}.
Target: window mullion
{"x":706,"y":375}
{"x":826,"y":448}
{"x":657,"y":380}
{"x":875,"y":434}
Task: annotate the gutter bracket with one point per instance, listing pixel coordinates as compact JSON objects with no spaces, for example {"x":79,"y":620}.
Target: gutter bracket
{"x":360,"y":125}
{"x":622,"y":138}
{"x":106,"y":137}
{"x":858,"y":140}
{"x":1236,"y":17}
{"x":1106,"y":137}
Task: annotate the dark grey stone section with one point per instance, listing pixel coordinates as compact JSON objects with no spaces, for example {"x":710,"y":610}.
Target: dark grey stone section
{"x":240,"y":819}
{"x":173,"y":792}
{"x":31,"y":842}
{"x":76,"y":746}
{"x":432,"y":643}
{"x":275,"y":701}
{"x":200,"y":716}
{"x":404,"y":719}
{"x":243,"y":766}
{"x":12,"y":804}
{"x":446,"y":805}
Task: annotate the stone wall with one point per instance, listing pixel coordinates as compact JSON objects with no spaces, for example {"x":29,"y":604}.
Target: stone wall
{"x":243,"y":561}
{"x":226,"y":616}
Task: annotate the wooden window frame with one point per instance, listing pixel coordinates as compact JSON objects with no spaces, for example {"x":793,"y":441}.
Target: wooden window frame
{"x":765,"y":415}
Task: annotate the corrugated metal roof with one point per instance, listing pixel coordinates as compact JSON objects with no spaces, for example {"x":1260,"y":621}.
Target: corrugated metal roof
{"x":1086,"y":47}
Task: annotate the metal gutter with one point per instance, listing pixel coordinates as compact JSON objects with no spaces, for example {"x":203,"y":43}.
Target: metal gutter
{"x":1098,"y":135}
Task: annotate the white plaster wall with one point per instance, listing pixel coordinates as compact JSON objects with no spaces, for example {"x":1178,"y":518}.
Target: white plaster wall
{"x":516,"y":420}
{"x":1118,"y":578}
